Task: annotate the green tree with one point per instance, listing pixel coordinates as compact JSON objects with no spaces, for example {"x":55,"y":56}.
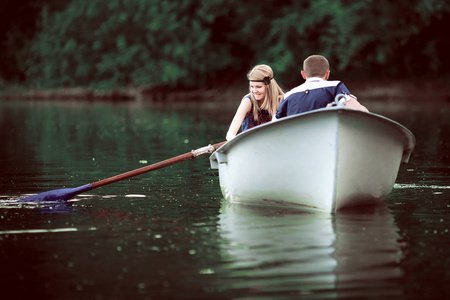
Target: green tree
{"x":103,"y":44}
{"x":391,"y":38}
{"x":18,"y":24}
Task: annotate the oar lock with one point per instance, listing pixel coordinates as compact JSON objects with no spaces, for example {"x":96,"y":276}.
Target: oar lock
{"x":341,"y":99}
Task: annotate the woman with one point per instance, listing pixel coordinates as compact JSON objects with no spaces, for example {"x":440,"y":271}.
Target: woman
{"x":260,"y":105}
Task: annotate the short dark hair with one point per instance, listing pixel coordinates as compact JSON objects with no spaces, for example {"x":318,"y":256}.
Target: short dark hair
{"x":315,"y":66}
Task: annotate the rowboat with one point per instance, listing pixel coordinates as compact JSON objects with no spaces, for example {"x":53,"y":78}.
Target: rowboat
{"x":327,"y":159}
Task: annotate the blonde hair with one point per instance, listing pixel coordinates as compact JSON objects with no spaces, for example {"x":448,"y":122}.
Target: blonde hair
{"x":274,"y":94}
{"x":315,"y":66}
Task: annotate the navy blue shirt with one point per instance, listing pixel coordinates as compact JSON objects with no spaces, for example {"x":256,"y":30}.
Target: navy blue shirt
{"x":315,"y":93}
{"x":249,"y":120}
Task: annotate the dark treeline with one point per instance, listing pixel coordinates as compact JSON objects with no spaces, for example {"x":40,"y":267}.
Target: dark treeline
{"x":116,"y":43}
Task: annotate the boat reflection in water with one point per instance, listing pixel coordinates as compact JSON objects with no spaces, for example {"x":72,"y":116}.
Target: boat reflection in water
{"x":286,"y":252}
{"x":368,"y":251}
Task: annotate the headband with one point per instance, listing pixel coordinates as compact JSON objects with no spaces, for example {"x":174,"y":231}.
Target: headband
{"x":266,"y":80}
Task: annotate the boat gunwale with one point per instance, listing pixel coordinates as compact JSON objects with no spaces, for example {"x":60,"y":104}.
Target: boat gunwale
{"x":409,"y":140}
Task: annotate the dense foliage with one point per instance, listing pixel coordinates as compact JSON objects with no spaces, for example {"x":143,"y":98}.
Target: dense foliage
{"x":105,"y":44}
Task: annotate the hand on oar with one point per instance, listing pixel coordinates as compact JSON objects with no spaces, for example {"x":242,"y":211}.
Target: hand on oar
{"x":68,"y":193}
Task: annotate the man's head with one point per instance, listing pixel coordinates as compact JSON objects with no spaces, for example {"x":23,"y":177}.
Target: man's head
{"x":316,"y":66}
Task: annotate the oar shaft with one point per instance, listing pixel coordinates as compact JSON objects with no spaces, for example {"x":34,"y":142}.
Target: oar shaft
{"x":159,"y":165}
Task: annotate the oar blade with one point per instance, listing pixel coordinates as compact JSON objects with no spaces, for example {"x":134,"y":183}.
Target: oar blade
{"x":66,"y":194}
{"x":57,"y":195}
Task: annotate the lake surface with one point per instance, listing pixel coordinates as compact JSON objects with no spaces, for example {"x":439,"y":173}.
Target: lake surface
{"x":169,"y":234}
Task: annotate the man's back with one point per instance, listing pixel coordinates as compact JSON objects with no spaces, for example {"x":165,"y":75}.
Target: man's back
{"x":315,"y":93}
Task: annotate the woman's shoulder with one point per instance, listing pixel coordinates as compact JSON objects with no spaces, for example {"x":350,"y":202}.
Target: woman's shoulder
{"x":247,"y":97}
{"x":246,"y":105}
{"x":247,"y":100}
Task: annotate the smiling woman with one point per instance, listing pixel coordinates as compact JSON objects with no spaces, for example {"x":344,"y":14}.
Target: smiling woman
{"x":260,"y":105}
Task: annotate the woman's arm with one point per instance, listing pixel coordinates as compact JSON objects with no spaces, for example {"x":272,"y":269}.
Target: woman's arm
{"x":242,"y":111}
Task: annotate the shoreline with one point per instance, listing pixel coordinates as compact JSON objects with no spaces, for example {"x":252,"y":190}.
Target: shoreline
{"x":381,"y":90}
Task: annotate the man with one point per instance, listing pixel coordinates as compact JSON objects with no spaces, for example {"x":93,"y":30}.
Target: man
{"x":316,"y":92}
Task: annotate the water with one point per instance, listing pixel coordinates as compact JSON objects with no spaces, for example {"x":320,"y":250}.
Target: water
{"x":168,"y":234}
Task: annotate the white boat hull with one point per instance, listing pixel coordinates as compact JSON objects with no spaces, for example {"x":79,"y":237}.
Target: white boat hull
{"x":327,"y":159}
